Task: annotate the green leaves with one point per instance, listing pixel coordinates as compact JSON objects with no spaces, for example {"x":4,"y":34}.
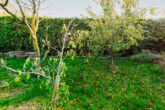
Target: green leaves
{"x":114,"y":30}
{"x":20,"y":72}
{"x":17,"y":79}
{"x":11,"y":38}
{"x":28,"y":77}
{"x":50,"y":59}
{"x":72,"y":44}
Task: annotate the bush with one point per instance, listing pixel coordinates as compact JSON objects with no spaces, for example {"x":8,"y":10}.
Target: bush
{"x":14,"y":35}
{"x":154,"y":35}
{"x":146,"y":56}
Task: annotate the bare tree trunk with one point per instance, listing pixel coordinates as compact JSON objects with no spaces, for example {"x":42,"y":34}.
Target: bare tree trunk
{"x":55,"y":92}
{"x":34,"y":28}
{"x":36,"y":49}
{"x":57,"y":82}
{"x":111,"y":59}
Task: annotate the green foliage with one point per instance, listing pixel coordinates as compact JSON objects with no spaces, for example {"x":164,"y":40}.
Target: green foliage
{"x":154,"y":35}
{"x":81,"y":39}
{"x":12,"y":37}
{"x":113,"y":31}
{"x":15,"y":36}
{"x":146,"y":56}
{"x":17,"y":79}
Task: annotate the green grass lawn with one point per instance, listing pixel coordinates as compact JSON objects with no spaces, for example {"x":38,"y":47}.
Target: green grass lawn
{"x":92,"y":86}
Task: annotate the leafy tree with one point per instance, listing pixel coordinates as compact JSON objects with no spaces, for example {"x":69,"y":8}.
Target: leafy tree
{"x":117,"y":27}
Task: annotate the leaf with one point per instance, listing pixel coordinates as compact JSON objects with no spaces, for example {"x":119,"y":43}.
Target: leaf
{"x":72,"y":58}
{"x":17,"y":79}
{"x":73,"y":46}
{"x":6,"y":84}
{"x":50,"y":59}
{"x":28,"y":77}
{"x":20,"y":72}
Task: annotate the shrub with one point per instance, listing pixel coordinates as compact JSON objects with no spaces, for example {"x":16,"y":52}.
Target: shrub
{"x":154,"y":35}
{"x":15,"y":36}
{"x":146,"y":56}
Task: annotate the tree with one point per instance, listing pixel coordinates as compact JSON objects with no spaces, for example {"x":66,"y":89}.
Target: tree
{"x":32,"y":25}
{"x":116,"y":28}
{"x":53,"y":72}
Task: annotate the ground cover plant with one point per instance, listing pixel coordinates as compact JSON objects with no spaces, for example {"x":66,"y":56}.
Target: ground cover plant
{"x":133,"y":85}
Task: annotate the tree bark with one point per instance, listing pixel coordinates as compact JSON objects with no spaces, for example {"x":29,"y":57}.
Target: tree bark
{"x":36,"y":49}
{"x":33,"y":30}
{"x":55,"y":92}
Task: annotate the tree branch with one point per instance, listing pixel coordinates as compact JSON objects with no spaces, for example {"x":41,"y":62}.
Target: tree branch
{"x":5,"y":4}
{"x":9,"y":12}
{"x":24,"y":73}
{"x":24,"y":17}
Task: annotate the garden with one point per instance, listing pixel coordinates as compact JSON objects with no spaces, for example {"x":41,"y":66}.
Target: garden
{"x":110,"y":61}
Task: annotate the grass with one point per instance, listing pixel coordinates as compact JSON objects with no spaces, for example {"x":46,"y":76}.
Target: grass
{"x":132,"y":86}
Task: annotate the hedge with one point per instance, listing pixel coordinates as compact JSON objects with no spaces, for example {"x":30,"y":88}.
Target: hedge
{"x":154,"y":36}
{"x":15,"y":36}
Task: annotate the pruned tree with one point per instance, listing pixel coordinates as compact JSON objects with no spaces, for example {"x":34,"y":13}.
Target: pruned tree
{"x":116,"y":28}
{"x":32,"y":23}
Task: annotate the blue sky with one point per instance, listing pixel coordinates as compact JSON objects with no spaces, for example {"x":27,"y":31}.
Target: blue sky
{"x":75,"y":8}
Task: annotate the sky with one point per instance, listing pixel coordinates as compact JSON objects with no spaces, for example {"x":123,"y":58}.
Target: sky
{"x":76,"y":8}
